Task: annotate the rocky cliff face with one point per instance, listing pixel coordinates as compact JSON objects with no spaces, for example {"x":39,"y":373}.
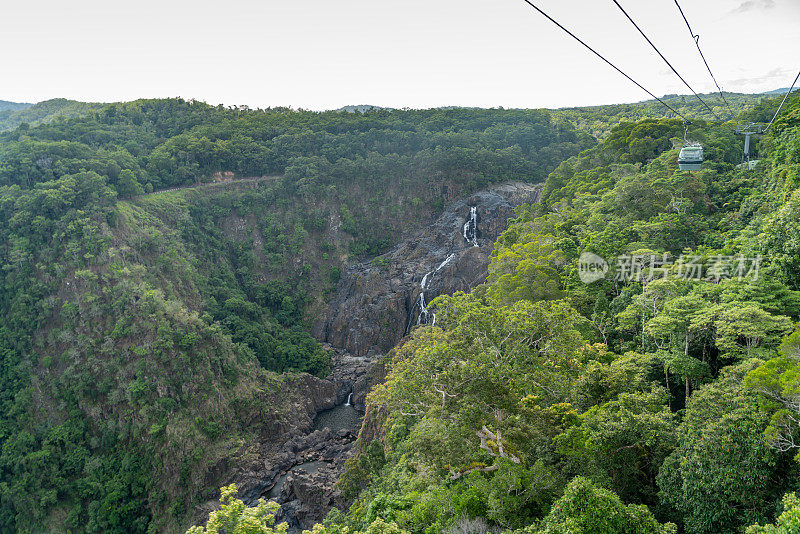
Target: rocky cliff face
{"x":375,"y":306}
{"x":296,"y":439}
{"x":377,"y":302}
{"x":298,"y":463}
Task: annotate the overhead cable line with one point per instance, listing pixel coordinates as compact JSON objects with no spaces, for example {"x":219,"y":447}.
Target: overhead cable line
{"x":595,"y":52}
{"x":646,"y":38}
{"x":696,"y":39}
{"x":783,"y":102}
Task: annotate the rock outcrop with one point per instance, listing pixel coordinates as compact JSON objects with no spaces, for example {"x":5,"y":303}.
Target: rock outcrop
{"x":377,"y":301}
{"x":375,"y":305}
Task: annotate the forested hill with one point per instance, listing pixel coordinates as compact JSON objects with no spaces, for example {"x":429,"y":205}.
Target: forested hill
{"x":147,"y":339}
{"x":630,"y":365}
{"x":598,"y":120}
{"x":147,"y":336}
{"x":13,"y":114}
{"x":8,"y":106}
{"x":595,"y":120}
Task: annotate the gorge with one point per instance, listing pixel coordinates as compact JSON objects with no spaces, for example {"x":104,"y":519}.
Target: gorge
{"x":439,"y":259}
{"x":195,"y":296}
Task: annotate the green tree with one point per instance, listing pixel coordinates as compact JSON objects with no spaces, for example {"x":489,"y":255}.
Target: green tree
{"x":588,"y":509}
{"x":525,"y":265}
{"x":673,"y":329}
{"x":623,"y":442}
{"x":723,"y":475}
{"x":127,"y":184}
{"x":235,"y":517}
{"x":777,"y":381}
{"x":787,"y":523}
{"x":745,"y":326}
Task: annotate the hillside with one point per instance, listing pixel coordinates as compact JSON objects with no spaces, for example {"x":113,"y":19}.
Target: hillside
{"x":150,"y":338}
{"x":654,"y":392}
{"x":166,"y":262}
{"x":6,"y":106}
{"x":14,"y":114}
{"x":599,"y":120}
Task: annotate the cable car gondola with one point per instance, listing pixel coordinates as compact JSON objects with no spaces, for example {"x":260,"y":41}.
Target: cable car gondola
{"x":691,"y":157}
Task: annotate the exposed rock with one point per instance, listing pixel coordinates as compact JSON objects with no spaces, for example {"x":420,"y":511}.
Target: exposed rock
{"x":308,"y":494}
{"x":365,"y":383}
{"x":296,"y":440}
{"x":348,"y":370}
{"x":375,"y":306}
{"x":377,"y":301}
{"x":260,"y":464}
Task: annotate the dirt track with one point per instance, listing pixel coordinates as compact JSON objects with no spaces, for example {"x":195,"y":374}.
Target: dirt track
{"x":211,"y":184}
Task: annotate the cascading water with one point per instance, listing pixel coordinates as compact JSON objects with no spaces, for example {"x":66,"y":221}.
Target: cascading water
{"x":445,"y":262}
{"x":349,"y":398}
{"x":470,"y":230}
{"x":470,"y":233}
{"x":426,"y":317}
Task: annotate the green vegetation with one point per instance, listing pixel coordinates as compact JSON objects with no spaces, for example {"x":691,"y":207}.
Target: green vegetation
{"x":141,"y":335}
{"x":788,"y":521}
{"x":599,"y":120}
{"x":234,"y":517}
{"x":148,"y":335}
{"x":13,"y":115}
{"x":650,"y":400}
{"x":7,"y":106}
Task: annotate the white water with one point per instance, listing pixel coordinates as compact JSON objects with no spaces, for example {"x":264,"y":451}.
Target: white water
{"x":445,"y":262}
{"x":424,"y":283}
{"x":470,"y":230}
{"x":470,"y":233}
{"x":349,"y":398}
{"x":424,"y":314}
{"x":422,"y":318}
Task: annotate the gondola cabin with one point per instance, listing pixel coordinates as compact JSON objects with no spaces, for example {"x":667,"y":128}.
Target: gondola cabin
{"x":690,"y":158}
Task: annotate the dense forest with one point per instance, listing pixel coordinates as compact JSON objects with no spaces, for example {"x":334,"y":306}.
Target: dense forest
{"x":661,"y":397}
{"x":161,"y":259}
{"x":599,"y":120}
{"x":13,"y":114}
{"x":159,"y":262}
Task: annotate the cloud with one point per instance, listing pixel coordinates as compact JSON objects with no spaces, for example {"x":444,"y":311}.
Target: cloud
{"x":752,"y":5}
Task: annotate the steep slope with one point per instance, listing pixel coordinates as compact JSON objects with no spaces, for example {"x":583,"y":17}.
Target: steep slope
{"x":135,"y":403}
{"x":631,"y":400}
{"x":153,"y":344}
{"x":301,"y":475}
{"x":378,"y":302}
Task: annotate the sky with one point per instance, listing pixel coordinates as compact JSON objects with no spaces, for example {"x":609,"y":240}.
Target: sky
{"x":316,"y":54}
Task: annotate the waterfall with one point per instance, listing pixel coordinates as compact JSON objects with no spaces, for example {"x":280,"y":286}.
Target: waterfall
{"x":424,"y":314}
{"x":349,"y":398}
{"x":424,"y":317}
{"x":470,"y":231}
{"x":445,"y":262}
{"x":424,"y":283}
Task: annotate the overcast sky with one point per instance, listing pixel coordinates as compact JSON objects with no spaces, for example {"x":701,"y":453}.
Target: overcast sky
{"x":319,"y":54}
